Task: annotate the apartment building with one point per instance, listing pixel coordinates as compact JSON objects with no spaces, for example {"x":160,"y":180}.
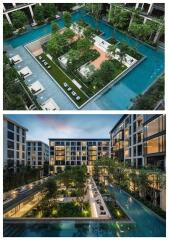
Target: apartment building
{"x":14,"y":145}
{"x":139,"y":141}
{"x":27,"y":8}
{"x":127,"y":140}
{"x":37,"y":154}
{"x":155,"y":140}
{"x":73,"y":152}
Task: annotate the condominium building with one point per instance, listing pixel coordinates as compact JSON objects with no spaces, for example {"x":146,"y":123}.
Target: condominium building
{"x":37,"y":154}
{"x":71,"y":152}
{"x":139,"y":141}
{"x":27,"y":8}
{"x":155,"y":140}
{"x":14,"y":145}
{"x":127,"y":140}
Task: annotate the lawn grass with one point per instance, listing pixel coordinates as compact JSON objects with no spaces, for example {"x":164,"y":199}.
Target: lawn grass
{"x":56,"y":72}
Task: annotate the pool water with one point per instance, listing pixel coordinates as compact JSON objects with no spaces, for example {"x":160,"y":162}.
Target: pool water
{"x":135,"y":82}
{"x":147,"y":224}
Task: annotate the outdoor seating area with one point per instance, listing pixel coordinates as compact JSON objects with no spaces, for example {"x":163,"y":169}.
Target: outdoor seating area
{"x":99,"y":208}
{"x":50,"y":105}
{"x":43,"y":61}
{"x":36,"y":88}
{"x":25,"y":72}
{"x":73,"y":93}
{"x":15,"y":59}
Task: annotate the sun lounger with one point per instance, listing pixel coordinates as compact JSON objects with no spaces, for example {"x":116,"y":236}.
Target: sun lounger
{"x":16,"y":59}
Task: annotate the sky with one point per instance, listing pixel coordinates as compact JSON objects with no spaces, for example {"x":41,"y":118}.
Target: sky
{"x":45,"y":126}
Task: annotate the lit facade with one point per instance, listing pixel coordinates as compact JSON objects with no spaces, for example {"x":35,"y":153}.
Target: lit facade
{"x":73,"y":152}
{"x":155,"y":140}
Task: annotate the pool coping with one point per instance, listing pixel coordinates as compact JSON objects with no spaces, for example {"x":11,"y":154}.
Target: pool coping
{"x":100,"y":92}
{"x":60,"y":219}
{"x":160,"y":218}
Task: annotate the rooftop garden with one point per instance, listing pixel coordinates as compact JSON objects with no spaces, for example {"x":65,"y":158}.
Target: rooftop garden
{"x":83,"y":63}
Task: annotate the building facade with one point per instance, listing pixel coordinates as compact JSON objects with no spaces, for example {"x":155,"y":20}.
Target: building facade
{"x":73,"y":152}
{"x":37,"y":153}
{"x":140,"y":142}
{"x":14,"y":145}
{"x":155,"y":140}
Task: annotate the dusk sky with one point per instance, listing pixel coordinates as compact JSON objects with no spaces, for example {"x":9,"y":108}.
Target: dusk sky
{"x":41,"y":127}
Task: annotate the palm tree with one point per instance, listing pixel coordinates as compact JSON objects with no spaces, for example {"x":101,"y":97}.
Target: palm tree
{"x":112,"y":50}
{"x":134,"y":180}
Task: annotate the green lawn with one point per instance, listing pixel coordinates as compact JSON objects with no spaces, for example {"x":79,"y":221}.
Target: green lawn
{"x":57,"y":73}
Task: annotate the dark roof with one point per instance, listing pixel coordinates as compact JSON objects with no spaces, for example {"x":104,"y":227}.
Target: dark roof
{"x":80,"y":139}
{"x":12,"y":121}
{"x":119,"y":122}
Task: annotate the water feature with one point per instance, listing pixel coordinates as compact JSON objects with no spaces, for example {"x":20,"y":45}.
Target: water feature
{"x":134,"y":83}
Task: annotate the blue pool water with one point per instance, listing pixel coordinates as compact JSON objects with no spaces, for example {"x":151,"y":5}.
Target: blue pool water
{"x":134,"y":83}
{"x":147,"y":224}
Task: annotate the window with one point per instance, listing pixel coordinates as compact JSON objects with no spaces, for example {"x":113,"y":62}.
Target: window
{"x":10,"y":126}
{"x":17,"y":129}
{"x":155,"y":145}
{"x":17,"y":146}
{"x":11,"y":135}
{"x":17,"y":138}
{"x":10,"y":154}
{"x":10,"y":144}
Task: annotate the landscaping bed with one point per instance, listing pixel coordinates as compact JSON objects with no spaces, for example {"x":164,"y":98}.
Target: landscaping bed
{"x":60,"y":77}
{"x":69,"y":209}
{"x":116,"y":212}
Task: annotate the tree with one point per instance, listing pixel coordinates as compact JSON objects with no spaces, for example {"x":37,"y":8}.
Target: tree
{"x":88,"y":33}
{"x":83,"y":45}
{"x":51,"y":187}
{"x":54,"y":27}
{"x":73,"y":56}
{"x":57,"y":44}
{"x":112,"y":49}
{"x":19,"y":19}
{"x":96,"y":13}
{"x":150,"y":98}
{"x":123,"y":50}
{"x":50,"y":10}
{"x":39,"y":14}
{"x":7,"y":29}
{"x":134,"y":180}
{"x":67,"y":18}
{"x":68,"y":34}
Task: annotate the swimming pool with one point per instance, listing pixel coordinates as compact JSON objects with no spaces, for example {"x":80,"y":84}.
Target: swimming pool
{"x":134,"y":83}
{"x":147,"y":224}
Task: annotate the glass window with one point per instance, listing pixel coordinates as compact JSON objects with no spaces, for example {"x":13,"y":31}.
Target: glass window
{"x":10,"y":135}
{"x":11,"y":144}
{"x":11,"y":126}
{"x":10,"y":154}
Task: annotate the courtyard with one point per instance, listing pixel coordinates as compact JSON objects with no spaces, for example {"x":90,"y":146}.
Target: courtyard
{"x":127,"y":60}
